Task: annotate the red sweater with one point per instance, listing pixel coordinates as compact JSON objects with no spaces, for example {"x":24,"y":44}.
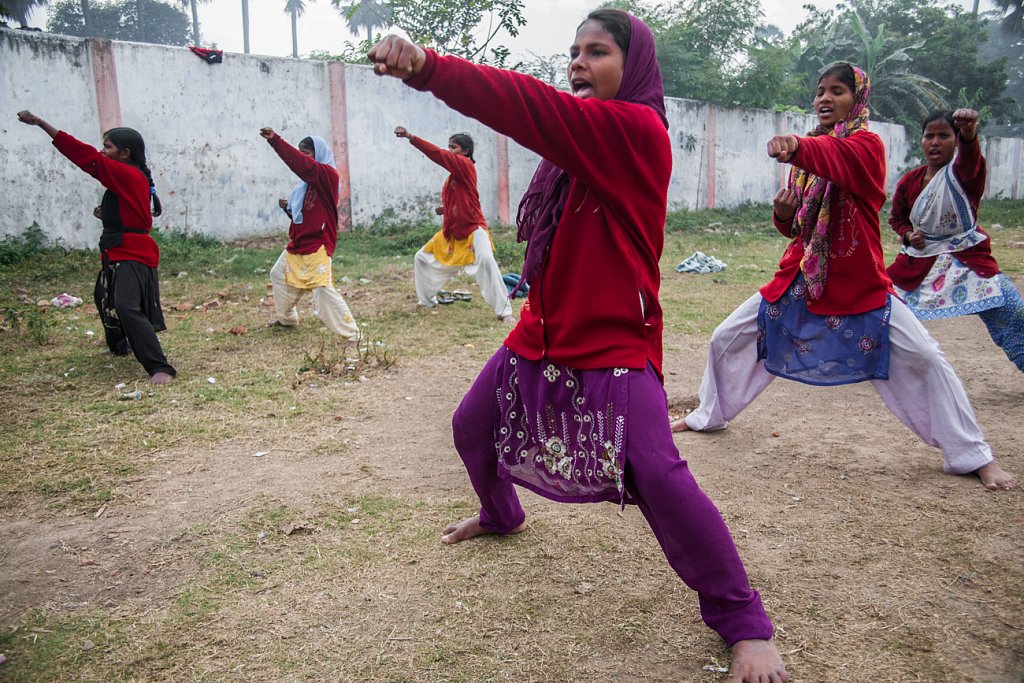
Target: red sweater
{"x":584,"y":310}
{"x":908,"y":271}
{"x":856,"y":280}
{"x":459,"y":196}
{"x":132,"y":190}
{"x":319,"y":226}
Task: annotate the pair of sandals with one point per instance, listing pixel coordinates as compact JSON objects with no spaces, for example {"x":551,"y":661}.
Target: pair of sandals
{"x":446,"y":297}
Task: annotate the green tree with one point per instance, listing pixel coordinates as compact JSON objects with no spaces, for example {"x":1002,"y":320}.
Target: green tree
{"x":193,"y":6}
{"x":368,"y":14}
{"x":148,"y":21}
{"x":466,"y":28}
{"x":920,"y":55}
{"x":702,"y":44}
{"x":552,"y":69}
{"x":1013,"y":19}
{"x":18,"y":10}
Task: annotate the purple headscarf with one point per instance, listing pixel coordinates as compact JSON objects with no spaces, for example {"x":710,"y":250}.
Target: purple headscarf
{"x":542,"y":205}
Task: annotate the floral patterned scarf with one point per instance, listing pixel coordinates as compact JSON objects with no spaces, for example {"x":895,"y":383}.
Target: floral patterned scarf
{"x":814,"y":217}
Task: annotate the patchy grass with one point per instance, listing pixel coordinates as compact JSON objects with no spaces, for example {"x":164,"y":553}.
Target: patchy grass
{"x":352,"y":585}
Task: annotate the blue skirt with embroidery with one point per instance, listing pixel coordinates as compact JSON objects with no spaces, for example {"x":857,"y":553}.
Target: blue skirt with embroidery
{"x":823,"y":350}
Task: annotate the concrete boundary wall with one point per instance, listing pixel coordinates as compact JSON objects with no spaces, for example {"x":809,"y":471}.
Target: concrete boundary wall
{"x":216,"y":176}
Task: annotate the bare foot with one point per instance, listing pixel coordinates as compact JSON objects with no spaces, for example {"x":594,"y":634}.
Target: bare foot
{"x":993,"y":477}
{"x":160,"y":378}
{"x":756,"y":661}
{"x":508,"y":320}
{"x":680,"y":425}
{"x":274,"y":323}
{"x":467,"y":528}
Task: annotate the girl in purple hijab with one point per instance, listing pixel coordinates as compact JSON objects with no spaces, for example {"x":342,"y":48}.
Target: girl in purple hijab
{"x":572,"y":405}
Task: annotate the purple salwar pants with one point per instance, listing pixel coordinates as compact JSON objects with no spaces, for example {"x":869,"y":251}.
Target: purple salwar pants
{"x":686,"y":523}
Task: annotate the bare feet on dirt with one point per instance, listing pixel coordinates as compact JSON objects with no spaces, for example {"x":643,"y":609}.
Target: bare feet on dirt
{"x":993,"y":477}
{"x":756,"y":661}
{"x":680,"y":425}
{"x":468,"y":528}
{"x":160,"y":378}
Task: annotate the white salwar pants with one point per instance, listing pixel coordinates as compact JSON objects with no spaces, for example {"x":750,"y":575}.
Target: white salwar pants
{"x":923,"y":391}
{"x":328,"y":304}
{"x":431,"y":276}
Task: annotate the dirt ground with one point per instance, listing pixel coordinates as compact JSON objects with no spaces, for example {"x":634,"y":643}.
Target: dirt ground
{"x":865,"y":552}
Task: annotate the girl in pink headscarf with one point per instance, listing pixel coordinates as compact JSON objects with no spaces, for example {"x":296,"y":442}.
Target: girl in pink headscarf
{"x":572,"y":405}
{"x":828,"y":316}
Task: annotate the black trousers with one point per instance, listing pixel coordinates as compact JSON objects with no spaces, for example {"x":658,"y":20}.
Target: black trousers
{"x":127,"y":296}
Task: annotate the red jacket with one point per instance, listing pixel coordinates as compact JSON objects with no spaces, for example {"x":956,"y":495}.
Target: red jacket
{"x":908,"y":271}
{"x":459,"y":196}
{"x":319,"y":226}
{"x":584,"y":310}
{"x":856,"y":280}
{"x":132,"y":190}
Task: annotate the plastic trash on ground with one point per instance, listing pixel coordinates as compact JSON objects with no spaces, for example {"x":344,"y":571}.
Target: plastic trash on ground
{"x":701,"y":263}
{"x":65,"y":300}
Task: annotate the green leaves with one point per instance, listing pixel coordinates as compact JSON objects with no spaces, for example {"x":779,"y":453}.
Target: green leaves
{"x":466,"y":28}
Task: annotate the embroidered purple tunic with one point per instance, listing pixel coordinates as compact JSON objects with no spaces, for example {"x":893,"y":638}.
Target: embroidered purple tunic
{"x":562,"y":431}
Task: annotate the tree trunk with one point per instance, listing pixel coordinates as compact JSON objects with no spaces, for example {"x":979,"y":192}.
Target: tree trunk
{"x":295,"y":34}
{"x":85,"y":15}
{"x":245,"y":25}
{"x":195,"y":23}
{"x":141,"y":21}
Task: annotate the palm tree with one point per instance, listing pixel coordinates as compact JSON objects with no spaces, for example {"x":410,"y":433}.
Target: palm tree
{"x":18,"y":10}
{"x":245,"y":25}
{"x":898,"y":93}
{"x":192,"y":5}
{"x":1013,"y":11}
{"x":368,"y":14}
{"x":296,"y":8}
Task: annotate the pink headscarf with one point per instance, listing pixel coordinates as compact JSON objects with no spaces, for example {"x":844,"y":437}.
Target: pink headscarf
{"x":814,"y":217}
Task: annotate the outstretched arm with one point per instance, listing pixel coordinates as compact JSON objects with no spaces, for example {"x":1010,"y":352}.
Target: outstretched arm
{"x":122,"y":179}
{"x":31,"y":119}
{"x":456,"y":164}
{"x":307,"y":168}
{"x":590,"y":139}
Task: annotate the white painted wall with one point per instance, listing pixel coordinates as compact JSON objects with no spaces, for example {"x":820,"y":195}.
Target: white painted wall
{"x":216,"y":176}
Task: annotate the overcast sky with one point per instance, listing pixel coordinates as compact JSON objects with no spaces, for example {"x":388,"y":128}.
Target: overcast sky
{"x":549,"y":29}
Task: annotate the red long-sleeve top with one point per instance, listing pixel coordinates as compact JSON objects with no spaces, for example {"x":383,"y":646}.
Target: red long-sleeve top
{"x":908,"y":271}
{"x":459,"y":195}
{"x":132,"y":190}
{"x":595,"y":302}
{"x":319,"y":226}
{"x":856,"y":280}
